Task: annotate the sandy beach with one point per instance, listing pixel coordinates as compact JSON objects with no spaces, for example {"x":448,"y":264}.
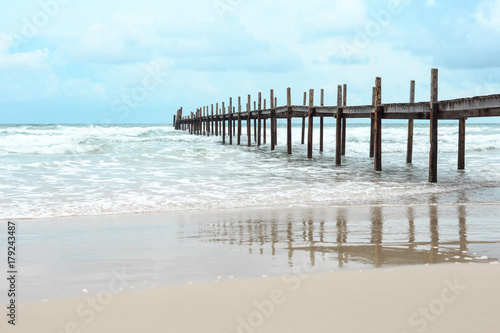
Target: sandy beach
{"x":440,"y":298}
{"x":427,"y":268}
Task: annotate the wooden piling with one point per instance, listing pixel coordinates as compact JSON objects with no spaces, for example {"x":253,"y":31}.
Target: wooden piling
{"x":273,"y":120}
{"x":208,"y":121}
{"x":203,"y":124}
{"x":433,"y":154}
{"x":372,"y":124}
{"x":344,"y":120}
{"x":304,"y":120}
{"x":264,"y":124}
{"x":239,"y":120}
{"x":310,"y":125}
{"x":338,"y":135}
{"x":234,"y":121}
{"x":212,"y":119}
{"x":230,"y":121}
{"x":223,"y":123}
{"x":322,"y":103}
{"x":249,"y":123}
{"x":259,"y":119}
{"x":461,"y":144}
{"x":378,"y":125}
{"x":409,"y":149}
{"x":289,"y":121}
{"x":216,"y":119}
{"x":255,"y":123}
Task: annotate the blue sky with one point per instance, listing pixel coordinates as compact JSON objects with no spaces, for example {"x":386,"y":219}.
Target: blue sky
{"x":74,"y":61}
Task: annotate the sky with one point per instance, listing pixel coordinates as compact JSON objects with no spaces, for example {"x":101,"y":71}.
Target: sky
{"x":75,"y":61}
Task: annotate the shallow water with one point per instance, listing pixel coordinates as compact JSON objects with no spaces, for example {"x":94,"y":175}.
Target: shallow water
{"x":62,"y":257}
{"x":71,"y":170}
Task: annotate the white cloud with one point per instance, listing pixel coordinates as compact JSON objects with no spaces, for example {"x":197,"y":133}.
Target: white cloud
{"x":122,"y":39}
{"x":35,"y":61}
{"x":488,"y":15}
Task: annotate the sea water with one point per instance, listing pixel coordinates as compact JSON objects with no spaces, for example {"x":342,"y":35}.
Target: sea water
{"x":73,"y":170}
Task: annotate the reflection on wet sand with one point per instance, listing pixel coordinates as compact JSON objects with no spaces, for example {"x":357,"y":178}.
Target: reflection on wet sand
{"x":384,"y":241}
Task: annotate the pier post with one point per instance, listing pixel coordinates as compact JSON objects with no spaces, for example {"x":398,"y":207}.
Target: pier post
{"x":230,"y":121}
{"x":203,"y":123}
{"x":344,"y":120}
{"x":212,"y":119}
{"x":372,"y":124}
{"x":409,"y":149}
{"x":461,"y":144}
{"x":259,"y":119}
{"x":223,"y":123}
{"x":273,"y":122}
{"x":310,"y":124}
{"x":249,"y":123}
{"x":234,"y":121}
{"x":304,"y":120}
{"x":264,"y":120}
{"x":378,"y":125}
{"x":239,"y":120}
{"x":322,"y":103}
{"x":208,"y":121}
{"x":175,"y":123}
{"x":338,"y":135}
{"x":289,"y":121}
{"x":433,"y":154}
{"x":191,"y":124}
{"x":255,"y":123}
{"x":217,"y":132}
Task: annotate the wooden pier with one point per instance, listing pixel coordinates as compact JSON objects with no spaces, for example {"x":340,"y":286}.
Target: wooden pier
{"x":203,"y":122}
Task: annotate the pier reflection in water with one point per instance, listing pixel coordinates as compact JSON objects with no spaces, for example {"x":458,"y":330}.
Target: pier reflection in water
{"x":357,"y":237}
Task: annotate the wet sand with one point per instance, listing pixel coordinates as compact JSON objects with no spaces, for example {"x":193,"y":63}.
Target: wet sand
{"x":172,"y":271}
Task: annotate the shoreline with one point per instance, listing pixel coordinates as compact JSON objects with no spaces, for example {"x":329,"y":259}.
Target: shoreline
{"x":256,"y":208}
{"x":433,"y":298}
{"x":60,"y":257}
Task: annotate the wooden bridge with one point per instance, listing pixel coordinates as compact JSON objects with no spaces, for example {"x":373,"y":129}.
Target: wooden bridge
{"x":203,"y":122}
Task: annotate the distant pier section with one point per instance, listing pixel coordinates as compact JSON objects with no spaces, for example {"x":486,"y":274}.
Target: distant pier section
{"x":227,"y":122}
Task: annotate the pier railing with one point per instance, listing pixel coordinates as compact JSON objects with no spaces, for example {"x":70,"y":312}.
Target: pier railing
{"x":210,"y":121}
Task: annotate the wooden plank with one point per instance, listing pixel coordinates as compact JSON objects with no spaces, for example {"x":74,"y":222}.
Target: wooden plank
{"x":372,"y":124}
{"x":461,"y":144}
{"x":344,"y":122}
{"x":321,"y":122}
{"x":338,"y":135}
{"x":310,"y":124}
{"x":289,"y":121}
{"x":433,"y":154}
{"x":409,"y":148}
{"x":378,"y":125}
